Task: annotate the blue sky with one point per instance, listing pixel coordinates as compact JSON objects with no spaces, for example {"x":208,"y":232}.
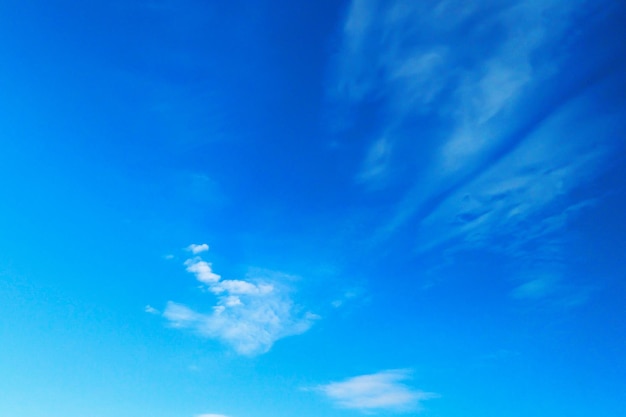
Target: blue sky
{"x":336,"y":208}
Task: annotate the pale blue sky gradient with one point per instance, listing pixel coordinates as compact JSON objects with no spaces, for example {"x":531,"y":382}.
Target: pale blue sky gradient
{"x":329,"y":208}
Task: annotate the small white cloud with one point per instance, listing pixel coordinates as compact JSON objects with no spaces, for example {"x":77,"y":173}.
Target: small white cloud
{"x":202,"y":270}
{"x":382,"y":391}
{"x":168,"y":257}
{"x":151,"y":310}
{"x":196,"y":249}
{"x":249,"y":316}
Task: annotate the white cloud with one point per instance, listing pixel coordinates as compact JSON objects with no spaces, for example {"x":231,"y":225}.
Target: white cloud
{"x":202,"y":270}
{"x":196,"y":249}
{"x":382,"y":391}
{"x":249,"y":316}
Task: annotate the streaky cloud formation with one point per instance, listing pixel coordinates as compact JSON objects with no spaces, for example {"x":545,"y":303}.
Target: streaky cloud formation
{"x":382,"y":391}
{"x":249,"y":316}
{"x":529,"y":186}
{"x":520,"y":205}
{"x":503,"y":142}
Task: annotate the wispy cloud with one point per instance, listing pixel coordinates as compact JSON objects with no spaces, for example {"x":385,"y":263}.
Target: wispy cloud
{"x":376,"y":163}
{"x":382,"y":391}
{"x":349,"y":296}
{"x":538,"y":287}
{"x":151,"y":310}
{"x":521,"y":205}
{"x":249,"y":315}
{"x":530,"y":182}
{"x":502,"y":143}
{"x":443,"y":62}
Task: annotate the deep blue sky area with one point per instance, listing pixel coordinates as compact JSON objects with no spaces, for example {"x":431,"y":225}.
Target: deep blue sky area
{"x":328,"y":208}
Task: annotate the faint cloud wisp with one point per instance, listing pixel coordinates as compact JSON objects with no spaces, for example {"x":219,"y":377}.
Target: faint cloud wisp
{"x":484,"y":145}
